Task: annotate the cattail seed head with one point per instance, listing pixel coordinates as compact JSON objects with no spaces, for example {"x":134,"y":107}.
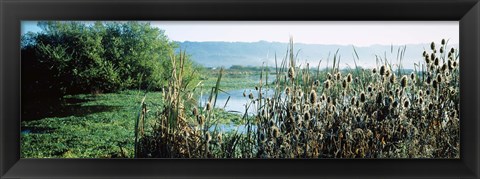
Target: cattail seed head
{"x":427,"y":59}
{"x":374,"y":70}
{"x":443,"y":41}
{"x":432,"y":46}
{"x":352,"y":101}
{"x":329,"y":76}
{"x":441,"y":49}
{"x":424,"y":53}
{"x":412,"y":76}
{"x":436,"y":62}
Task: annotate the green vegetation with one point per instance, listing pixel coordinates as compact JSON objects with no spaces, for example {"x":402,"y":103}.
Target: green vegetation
{"x":377,"y":113}
{"x":90,"y":126}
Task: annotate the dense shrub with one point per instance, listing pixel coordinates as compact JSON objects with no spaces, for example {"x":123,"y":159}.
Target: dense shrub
{"x":79,"y":57}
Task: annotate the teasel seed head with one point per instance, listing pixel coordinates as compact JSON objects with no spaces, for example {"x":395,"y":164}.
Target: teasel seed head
{"x":329,"y":76}
{"x":362,"y":97}
{"x":432,"y":46}
{"x":436,"y":62}
{"x":393,"y":78}
{"x":382,"y":70}
{"x":374,"y":70}
{"x":313,"y":97}
{"x":306,"y":116}
{"x":439,"y":78}
{"x":434,"y":84}
{"x":441,"y":49}
{"x":287,"y":91}
{"x":195,"y":111}
{"x":200,"y":119}
{"x":291,"y":73}
{"x":344,"y":83}
{"x":406,"y":103}
{"x":352,"y":101}
{"x":327,"y":84}
{"x":403,"y":81}
{"x":424,"y":53}
{"x":412,"y":76}
{"x":427,"y":59}
{"x":250,"y":96}
{"x":349,"y":78}
{"x":209,"y":106}
{"x":443,"y":41}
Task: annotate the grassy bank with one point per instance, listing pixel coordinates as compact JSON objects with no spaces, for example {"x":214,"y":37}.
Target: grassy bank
{"x":87,"y":126}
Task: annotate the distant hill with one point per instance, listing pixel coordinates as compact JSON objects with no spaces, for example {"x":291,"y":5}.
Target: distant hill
{"x":216,"y":54}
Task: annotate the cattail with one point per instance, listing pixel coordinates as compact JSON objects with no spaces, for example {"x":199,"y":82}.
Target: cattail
{"x":427,"y":92}
{"x":429,"y":79}
{"x":436,"y":62}
{"x":432,"y":56}
{"x":434,"y":84}
{"x":412,"y":76}
{"x":454,"y":64}
{"x":443,"y":41}
{"x":250,"y":95}
{"x":316,"y":83}
{"x":374,"y":70}
{"x":313,"y":97}
{"x":427,"y":59}
{"x":424,"y":53}
{"x":432,"y":46}
{"x":329,"y":100}
{"x":430,"y":106}
{"x":256,"y":88}
{"x":369,"y":89}
{"x":403,"y":81}
{"x":441,"y":49}
{"x":352,"y":101}
{"x":362,"y":97}
{"x":291,"y":73}
{"x":420,"y":93}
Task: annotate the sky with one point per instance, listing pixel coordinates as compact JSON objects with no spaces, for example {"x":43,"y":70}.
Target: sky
{"x":358,"y":33}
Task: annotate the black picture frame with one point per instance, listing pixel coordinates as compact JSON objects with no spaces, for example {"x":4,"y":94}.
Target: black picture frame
{"x":467,"y":12}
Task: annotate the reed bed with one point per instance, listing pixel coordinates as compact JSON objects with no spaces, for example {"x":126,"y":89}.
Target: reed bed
{"x":381,"y":112}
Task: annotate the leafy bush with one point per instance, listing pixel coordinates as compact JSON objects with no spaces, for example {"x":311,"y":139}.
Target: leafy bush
{"x":79,"y":57}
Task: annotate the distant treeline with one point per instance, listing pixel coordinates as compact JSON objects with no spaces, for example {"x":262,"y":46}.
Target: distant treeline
{"x":77,"y":57}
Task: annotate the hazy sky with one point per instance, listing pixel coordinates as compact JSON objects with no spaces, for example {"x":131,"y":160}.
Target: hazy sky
{"x":358,"y":33}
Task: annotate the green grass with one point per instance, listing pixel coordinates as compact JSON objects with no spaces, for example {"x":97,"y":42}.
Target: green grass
{"x":101,"y":126}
